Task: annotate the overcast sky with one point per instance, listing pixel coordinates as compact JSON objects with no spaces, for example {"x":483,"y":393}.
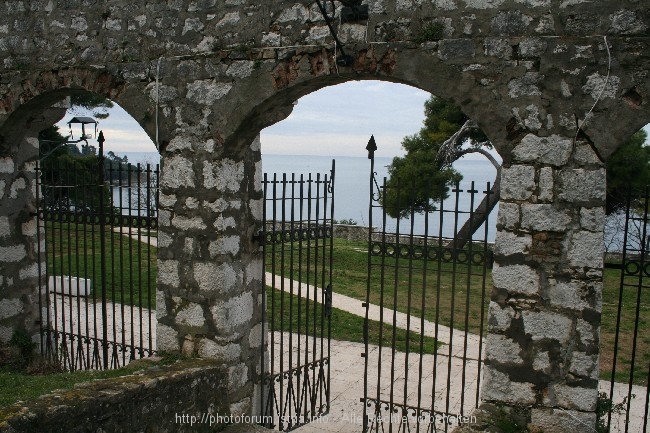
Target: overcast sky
{"x":334,"y":121}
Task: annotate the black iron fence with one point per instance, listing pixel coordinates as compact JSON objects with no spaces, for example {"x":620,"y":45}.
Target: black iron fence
{"x":429,"y":276}
{"x":98,"y":229}
{"x":297,"y":241}
{"x":624,"y":402}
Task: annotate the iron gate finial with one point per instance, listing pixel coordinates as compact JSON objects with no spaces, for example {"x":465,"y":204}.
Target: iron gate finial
{"x":371,"y":147}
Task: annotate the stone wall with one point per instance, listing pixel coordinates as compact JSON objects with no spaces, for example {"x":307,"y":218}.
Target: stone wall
{"x":158,"y":399}
{"x":556,"y":85}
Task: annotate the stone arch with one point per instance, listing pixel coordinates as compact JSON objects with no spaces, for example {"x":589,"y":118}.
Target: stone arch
{"x":42,"y":91}
{"x":37,"y":103}
{"x":525,"y":70}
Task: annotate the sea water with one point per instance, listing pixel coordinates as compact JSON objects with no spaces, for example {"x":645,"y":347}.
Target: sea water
{"x":352,"y":186}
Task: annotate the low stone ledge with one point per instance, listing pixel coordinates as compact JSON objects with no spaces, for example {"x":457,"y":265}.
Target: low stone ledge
{"x":157,"y":399}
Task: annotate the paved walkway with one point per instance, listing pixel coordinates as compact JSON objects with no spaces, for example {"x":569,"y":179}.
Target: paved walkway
{"x":347,"y":372}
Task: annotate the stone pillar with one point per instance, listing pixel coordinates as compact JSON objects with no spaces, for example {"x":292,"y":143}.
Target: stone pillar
{"x":543,"y":337}
{"x":209,"y":267}
{"x":19,"y":231}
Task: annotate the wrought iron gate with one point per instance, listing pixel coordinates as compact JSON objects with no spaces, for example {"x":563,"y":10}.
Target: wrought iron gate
{"x":430,"y":285}
{"x":625,"y":342}
{"x":97,"y":222}
{"x":297,"y":240}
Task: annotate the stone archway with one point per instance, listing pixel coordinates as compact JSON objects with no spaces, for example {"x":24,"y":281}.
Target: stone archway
{"x":554,"y":95}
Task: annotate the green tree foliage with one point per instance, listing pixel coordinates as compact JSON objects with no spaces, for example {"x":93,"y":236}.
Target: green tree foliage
{"x":628,"y":167}
{"x":69,"y":180}
{"x":424,"y":178}
{"x":93,"y":102}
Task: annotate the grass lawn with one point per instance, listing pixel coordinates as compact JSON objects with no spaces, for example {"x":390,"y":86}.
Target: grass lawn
{"x":19,"y":386}
{"x":443,"y":292}
{"x":631,"y":318}
{"x":344,"y":326}
{"x":451,"y":293}
{"x":131,"y":268}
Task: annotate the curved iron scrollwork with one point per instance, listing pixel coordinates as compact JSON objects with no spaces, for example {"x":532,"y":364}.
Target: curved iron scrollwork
{"x":406,"y":418}
{"x":637,"y":267}
{"x":315,"y":231}
{"x":110,"y":219}
{"x":74,"y":354}
{"x":301,"y":388}
{"x":429,"y":252}
{"x":376,"y":192}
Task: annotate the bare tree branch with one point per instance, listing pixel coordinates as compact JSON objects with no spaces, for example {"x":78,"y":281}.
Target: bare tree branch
{"x":452,"y":150}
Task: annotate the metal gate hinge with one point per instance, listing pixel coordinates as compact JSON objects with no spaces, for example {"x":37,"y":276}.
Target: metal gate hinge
{"x":259,"y":237}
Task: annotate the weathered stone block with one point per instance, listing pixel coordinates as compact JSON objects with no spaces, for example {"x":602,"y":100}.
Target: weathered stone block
{"x":225,"y":245}
{"x":5,"y":229}
{"x":587,"y":332}
{"x":10,"y":308}
{"x":586,"y":250}
{"x":558,"y":420}
{"x":542,"y":325}
{"x":210,"y":276}
{"x":225,"y":175}
{"x":528,"y":85}
{"x":483,"y":4}
{"x":584,"y":365}
{"x":177,"y":172}
{"x":229,"y":19}
{"x":255,"y":336}
{"x":456,"y":50}
{"x":498,"y":47}
{"x":582,"y":186}
{"x":509,"y":215}
{"x":226,"y":353}
{"x":577,"y":398}
{"x":516,"y":279}
{"x":575,"y":295}
{"x":17,"y":186}
{"x":191,"y":223}
{"x":592,"y":219}
{"x":508,"y":243}
{"x":168,"y":272}
{"x":207,"y":92}
{"x":240,"y":69}
{"x":625,"y":21}
{"x":237,"y":377}
{"x":499,"y":319}
{"x":30,"y":271}
{"x":30,"y":228}
{"x":253,"y":271}
{"x":167,"y":338}
{"x":585,"y":155}
{"x":233,"y":313}
{"x":12,"y":254}
{"x":532,"y":47}
{"x":499,"y":387}
{"x":542,"y":362}
{"x":544,"y":218}
{"x":517,"y":182}
{"x":554,"y":150}
{"x":297,"y":13}
{"x":502,"y":350}
{"x":191,"y":315}
{"x":7,"y":165}
{"x":546,"y":184}
{"x":601,"y":86}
